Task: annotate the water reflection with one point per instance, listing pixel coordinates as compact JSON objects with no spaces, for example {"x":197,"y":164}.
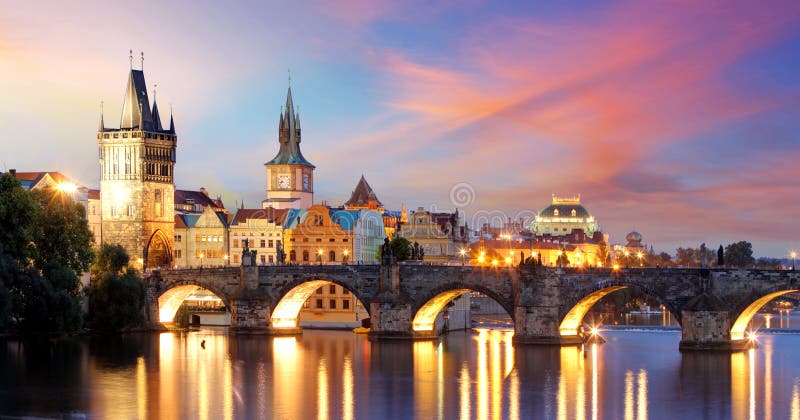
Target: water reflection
{"x":636,"y":375}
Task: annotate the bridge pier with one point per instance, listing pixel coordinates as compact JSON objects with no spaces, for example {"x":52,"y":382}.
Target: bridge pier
{"x":390,"y":319}
{"x":709,"y":330}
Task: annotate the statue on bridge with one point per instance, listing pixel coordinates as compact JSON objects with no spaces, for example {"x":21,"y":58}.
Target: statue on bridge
{"x":248,"y":255}
{"x":281,"y":254}
{"x":387,"y":253}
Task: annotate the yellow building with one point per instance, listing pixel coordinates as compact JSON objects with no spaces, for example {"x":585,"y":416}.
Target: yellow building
{"x":509,"y":252}
{"x":438,"y":234}
{"x":262,"y":229}
{"x":332,"y":306}
{"x":201,"y":230}
{"x":312,"y":237}
{"x":564,"y":215}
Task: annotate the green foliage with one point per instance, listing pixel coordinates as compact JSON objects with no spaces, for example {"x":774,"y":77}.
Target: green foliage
{"x":739,"y":254}
{"x":401,"y":248}
{"x":45,"y":244}
{"x":768,"y":264}
{"x":183,"y":316}
{"x":61,"y":231}
{"x":117,"y":292}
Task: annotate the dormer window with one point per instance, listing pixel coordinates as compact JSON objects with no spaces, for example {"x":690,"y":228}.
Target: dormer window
{"x":190,"y":201}
{"x":573,"y":213}
{"x":555,"y":212}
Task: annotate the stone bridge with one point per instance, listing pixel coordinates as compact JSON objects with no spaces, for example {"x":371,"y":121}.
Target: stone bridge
{"x":547,"y":305}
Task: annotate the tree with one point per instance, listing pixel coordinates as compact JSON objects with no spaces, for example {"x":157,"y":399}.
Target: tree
{"x":44,"y":247}
{"x":768,"y":263}
{"x":687,"y":257}
{"x":401,"y":248}
{"x":720,"y":256}
{"x":739,"y":254}
{"x":61,"y":231}
{"x":117,"y":293}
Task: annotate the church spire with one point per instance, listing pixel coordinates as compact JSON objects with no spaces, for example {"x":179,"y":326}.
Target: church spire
{"x":156,"y":116}
{"x":289,"y":136}
{"x":136,"y":106}
{"x":171,"y":121}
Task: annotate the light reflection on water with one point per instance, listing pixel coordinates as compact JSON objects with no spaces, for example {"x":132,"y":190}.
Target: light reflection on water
{"x":326,"y":374}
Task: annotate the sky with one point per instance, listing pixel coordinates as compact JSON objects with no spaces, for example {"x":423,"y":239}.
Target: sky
{"x":678,"y":119}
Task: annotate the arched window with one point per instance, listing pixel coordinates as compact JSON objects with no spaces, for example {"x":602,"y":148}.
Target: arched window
{"x":292,"y":256}
{"x":332,"y":256}
{"x":574,"y":213}
{"x":305,"y":256}
{"x":555,"y":212}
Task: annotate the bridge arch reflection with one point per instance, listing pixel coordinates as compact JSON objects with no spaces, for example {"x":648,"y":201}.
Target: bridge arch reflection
{"x":570,"y":323}
{"x":744,"y":317}
{"x":171,"y":299}
{"x":432,"y":304}
{"x":285,"y":315}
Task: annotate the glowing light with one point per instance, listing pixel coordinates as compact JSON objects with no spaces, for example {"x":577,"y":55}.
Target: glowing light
{"x":616,"y":267}
{"x":574,"y":318}
{"x":594,"y":330}
{"x":463,"y":252}
{"x":494,"y":262}
{"x":508,"y":260}
{"x":139,"y":261}
{"x":119,"y":193}
{"x":346,"y":252}
{"x":559,"y":253}
{"x":426,"y":315}
{"x":67,"y":187}
{"x":286,"y":311}
{"x":739,"y":327}
{"x":752,"y":336}
{"x":171,"y":300}
{"x":319,"y":252}
{"x":481,"y":259}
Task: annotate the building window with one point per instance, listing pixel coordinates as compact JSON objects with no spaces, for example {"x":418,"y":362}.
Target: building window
{"x":292,"y":256}
{"x":345,"y":291}
{"x":263,"y":259}
{"x":332,"y":256}
{"x":177,"y":238}
{"x":319,"y":291}
{"x":319,"y":303}
{"x":573,"y":213}
{"x":555,"y":212}
{"x":270,"y":259}
{"x":332,"y":289}
{"x":332,"y":240}
{"x":263,"y":243}
{"x":305,"y":256}
{"x":346,"y":304}
{"x":131,"y":210}
{"x":236,"y":259}
{"x":236,"y":243}
{"x":333,"y":304}
{"x":345,"y":240}
{"x":271,"y":243}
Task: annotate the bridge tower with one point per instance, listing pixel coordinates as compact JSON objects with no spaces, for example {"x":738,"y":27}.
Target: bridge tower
{"x":136,"y":185}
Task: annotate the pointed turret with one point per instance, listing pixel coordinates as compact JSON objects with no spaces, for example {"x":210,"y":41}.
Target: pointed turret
{"x":156,"y":117}
{"x":289,"y":137}
{"x":136,"y":107}
{"x":102,"y":126}
{"x":363,"y":196}
{"x":171,"y":122}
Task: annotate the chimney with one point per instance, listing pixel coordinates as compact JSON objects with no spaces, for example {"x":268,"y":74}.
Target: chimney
{"x":203,"y":190}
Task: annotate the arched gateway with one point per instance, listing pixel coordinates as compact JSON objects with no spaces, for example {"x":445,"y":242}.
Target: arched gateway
{"x":547,"y":304}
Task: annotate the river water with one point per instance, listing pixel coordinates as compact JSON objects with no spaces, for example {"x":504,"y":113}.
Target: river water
{"x":208,"y":374}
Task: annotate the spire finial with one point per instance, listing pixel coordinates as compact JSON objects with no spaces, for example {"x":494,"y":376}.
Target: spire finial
{"x":130,"y":58}
{"x":142,"y":59}
{"x":155,"y":86}
{"x":290,"y":77}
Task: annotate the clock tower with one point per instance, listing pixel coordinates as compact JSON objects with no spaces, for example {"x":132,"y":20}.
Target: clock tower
{"x":290,"y":177}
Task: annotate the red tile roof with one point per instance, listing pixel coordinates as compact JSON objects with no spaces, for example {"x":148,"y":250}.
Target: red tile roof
{"x":278,"y":216}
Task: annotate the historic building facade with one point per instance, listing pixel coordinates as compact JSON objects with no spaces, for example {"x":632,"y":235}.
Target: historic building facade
{"x":440,"y":235}
{"x":201,"y":230}
{"x":290,"y":177}
{"x":564,"y":215}
{"x":136,"y":184}
{"x":364,"y":198}
{"x":260,"y":230}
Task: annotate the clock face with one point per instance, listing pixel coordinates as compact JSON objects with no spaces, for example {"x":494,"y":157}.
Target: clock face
{"x":283,"y":182}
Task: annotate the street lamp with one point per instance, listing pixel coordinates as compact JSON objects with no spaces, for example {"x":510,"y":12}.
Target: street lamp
{"x":627,"y":254}
{"x":482,"y":257}
{"x":559,"y":254}
{"x":201,"y":259}
{"x":319,"y":256}
{"x":463,"y":253}
{"x":640,"y":255}
{"x":794,"y":258}
{"x":346,"y":252}
{"x":226,"y":259}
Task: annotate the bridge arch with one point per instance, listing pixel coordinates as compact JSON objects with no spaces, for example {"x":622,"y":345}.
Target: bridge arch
{"x":744,"y":317}
{"x":434,"y":301}
{"x":171,"y":298}
{"x":285,"y":314}
{"x":570,"y":323}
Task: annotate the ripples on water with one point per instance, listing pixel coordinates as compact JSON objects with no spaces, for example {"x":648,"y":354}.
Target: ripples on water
{"x":337,"y":374}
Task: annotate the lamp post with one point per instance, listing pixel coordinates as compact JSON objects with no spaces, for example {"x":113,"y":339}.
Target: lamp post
{"x":482,"y":257}
{"x":346,"y":252}
{"x":559,"y":254}
{"x":319,"y":256}
{"x":640,"y":255}
{"x":794,"y":257}
{"x":201,"y":259}
{"x":226,"y":258}
{"x":463,"y":253}
{"x":627,"y":254}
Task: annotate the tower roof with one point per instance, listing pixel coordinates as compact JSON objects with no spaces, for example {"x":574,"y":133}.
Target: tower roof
{"x":289,"y":137}
{"x":363,"y":194}
{"x":136,"y":106}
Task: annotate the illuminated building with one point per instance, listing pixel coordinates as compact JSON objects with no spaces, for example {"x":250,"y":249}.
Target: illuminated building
{"x":201,"y":230}
{"x":586,"y":252}
{"x":332,"y":306}
{"x":290,"y":177}
{"x":438,"y":234}
{"x":136,"y":185}
{"x":364,"y":198}
{"x":262,"y":229}
{"x":564,"y":215}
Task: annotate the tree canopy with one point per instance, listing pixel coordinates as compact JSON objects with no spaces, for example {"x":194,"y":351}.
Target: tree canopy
{"x":739,"y":254}
{"x":117,"y":293}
